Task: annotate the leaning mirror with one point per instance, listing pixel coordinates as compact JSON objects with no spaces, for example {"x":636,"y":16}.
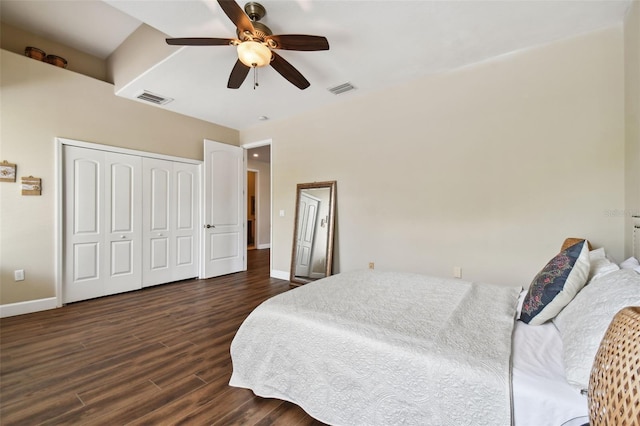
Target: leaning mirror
{"x":312,"y":253}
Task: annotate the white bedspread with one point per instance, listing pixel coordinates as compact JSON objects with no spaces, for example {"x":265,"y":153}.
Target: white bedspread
{"x":380,"y":348}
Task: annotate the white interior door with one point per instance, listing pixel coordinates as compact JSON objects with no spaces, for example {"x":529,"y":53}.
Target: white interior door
{"x":224,"y":236}
{"x":308,"y":209}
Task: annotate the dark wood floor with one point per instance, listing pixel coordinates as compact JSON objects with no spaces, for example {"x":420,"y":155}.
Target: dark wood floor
{"x":154,"y":356}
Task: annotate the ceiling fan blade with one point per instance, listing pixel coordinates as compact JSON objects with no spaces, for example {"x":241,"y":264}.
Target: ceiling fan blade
{"x":199,"y":41}
{"x":299,"y":42}
{"x":238,"y":74}
{"x":237,"y":15}
{"x":289,"y":72}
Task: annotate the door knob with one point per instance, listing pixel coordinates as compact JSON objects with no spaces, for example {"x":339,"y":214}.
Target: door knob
{"x":209,"y":226}
{"x":123,"y":236}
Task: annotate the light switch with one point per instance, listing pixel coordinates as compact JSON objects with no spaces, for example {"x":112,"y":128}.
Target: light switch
{"x":281,"y":213}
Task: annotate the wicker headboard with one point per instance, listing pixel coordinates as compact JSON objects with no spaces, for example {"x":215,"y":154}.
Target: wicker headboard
{"x":573,"y":241}
{"x":614,"y":398}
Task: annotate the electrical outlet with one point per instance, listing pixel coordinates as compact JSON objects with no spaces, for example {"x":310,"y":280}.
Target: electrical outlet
{"x":371,"y":265}
{"x":18,"y":274}
{"x":457,"y":272}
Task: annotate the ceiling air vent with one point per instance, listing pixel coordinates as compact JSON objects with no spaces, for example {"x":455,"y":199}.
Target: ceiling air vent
{"x":153,"y":98}
{"x":341,"y":88}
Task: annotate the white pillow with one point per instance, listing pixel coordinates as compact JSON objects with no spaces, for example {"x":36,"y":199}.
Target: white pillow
{"x":583,"y":322}
{"x":600,"y":264}
{"x":631,"y":263}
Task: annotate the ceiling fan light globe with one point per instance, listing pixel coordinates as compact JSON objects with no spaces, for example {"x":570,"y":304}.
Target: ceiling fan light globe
{"x":254,"y":54}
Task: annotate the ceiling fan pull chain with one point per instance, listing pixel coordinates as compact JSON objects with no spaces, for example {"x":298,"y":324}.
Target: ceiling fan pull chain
{"x":255,"y":78}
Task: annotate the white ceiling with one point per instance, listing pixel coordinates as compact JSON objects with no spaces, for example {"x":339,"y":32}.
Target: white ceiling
{"x":374,"y":44}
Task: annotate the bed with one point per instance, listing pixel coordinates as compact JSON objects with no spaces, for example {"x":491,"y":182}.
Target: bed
{"x":381,"y":348}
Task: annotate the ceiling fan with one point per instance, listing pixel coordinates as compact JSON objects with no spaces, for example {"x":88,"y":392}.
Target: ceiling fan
{"x":255,"y":44}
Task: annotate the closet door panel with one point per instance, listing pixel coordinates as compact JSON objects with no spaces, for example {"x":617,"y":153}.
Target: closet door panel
{"x":86,"y":262}
{"x":86,"y":219}
{"x":122,"y":212}
{"x":85,"y":196}
{"x":185,"y":254}
{"x":83,"y":223}
{"x":185,"y":228}
{"x":122,"y":193}
{"x":122,"y":258}
{"x":159,"y":254}
{"x":123,"y":216}
{"x":186,"y":196}
{"x":157,"y":200}
{"x":160,"y":184}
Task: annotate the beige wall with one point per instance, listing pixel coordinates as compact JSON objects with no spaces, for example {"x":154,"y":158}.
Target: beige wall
{"x":488,"y":168}
{"x":40,"y":102}
{"x":128,"y":61}
{"x":16,"y":40}
{"x":264,"y":201}
{"x":632,"y":119}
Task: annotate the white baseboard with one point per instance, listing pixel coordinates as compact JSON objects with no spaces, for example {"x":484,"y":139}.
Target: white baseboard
{"x":263,"y":246}
{"x":282,"y":275}
{"x":21,"y":308}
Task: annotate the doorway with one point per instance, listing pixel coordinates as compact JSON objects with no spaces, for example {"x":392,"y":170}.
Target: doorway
{"x":252,"y":217}
{"x":258,"y":195}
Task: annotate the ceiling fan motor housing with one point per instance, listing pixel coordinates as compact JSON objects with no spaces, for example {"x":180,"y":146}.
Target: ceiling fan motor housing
{"x":255,"y":11}
{"x":260,"y":33}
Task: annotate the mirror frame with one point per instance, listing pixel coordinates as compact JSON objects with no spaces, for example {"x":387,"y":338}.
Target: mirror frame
{"x":332,"y":186}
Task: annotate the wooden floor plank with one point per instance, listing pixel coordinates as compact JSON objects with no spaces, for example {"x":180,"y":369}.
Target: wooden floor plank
{"x":249,"y":413}
{"x":182,"y":410}
{"x":37,"y":411}
{"x":285,"y":414}
{"x":221,"y":406}
{"x":159,"y":355}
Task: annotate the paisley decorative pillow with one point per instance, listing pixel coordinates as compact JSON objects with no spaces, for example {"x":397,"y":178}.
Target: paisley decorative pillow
{"x":556,"y":284}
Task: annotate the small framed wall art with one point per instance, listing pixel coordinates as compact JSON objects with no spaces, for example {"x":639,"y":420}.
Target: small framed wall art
{"x":31,"y":186}
{"x":7,"y":172}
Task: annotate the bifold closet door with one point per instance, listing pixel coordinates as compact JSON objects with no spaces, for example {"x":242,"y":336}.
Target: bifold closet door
{"x":102,"y":223}
{"x":186,"y":229}
{"x":170,"y":232}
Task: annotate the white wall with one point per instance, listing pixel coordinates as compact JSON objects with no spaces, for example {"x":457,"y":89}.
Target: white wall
{"x":488,"y":168}
{"x":632,"y":120}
